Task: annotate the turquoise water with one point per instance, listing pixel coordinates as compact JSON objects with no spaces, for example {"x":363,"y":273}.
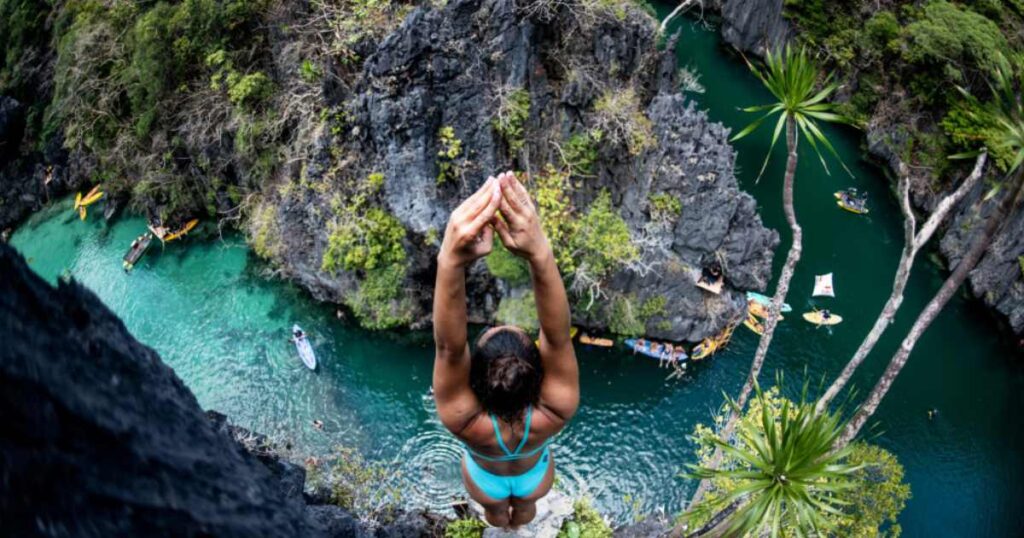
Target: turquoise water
{"x":206,"y":307}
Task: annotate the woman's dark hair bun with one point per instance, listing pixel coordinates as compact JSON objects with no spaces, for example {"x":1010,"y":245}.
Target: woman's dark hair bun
{"x":506,"y":373}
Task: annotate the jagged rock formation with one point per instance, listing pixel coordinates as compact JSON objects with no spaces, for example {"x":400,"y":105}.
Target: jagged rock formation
{"x":453,"y":67}
{"x":101,"y":438}
{"x":752,"y":25}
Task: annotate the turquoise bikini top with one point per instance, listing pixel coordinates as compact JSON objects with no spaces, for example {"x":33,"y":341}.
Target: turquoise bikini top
{"x":512,"y":455}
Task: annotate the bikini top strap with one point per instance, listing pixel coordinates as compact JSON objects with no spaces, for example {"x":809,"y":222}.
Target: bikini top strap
{"x":526,"y":433}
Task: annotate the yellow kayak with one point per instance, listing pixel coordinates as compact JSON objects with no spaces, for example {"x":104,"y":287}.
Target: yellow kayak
{"x":594,"y":341}
{"x":81,"y":202}
{"x":817,"y":319}
{"x":759,"y":310}
{"x":841,"y":202}
{"x":184,"y":230}
{"x":754,"y":325}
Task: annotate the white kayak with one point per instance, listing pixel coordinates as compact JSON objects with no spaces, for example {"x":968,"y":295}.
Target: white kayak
{"x":304,"y":347}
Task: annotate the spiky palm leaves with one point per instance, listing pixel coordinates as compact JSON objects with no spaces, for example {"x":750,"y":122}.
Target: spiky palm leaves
{"x":792,"y":78}
{"x":782,"y":470}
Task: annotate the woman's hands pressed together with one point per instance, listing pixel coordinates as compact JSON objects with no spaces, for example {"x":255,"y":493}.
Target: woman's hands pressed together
{"x":471,"y":227}
{"x":520,"y":228}
{"x":469,"y":234}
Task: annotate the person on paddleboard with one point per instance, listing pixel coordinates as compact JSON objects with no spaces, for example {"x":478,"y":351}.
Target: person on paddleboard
{"x":506,"y":397}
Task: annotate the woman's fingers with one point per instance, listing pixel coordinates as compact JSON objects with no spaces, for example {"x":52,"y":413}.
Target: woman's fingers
{"x":512,"y":206}
{"x":476,"y":201}
{"x":522,"y":195}
{"x":504,"y":233}
{"x":487,"y":212}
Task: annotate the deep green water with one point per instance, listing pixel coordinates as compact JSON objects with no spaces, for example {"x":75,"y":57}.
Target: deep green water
{"x":205,"y":307}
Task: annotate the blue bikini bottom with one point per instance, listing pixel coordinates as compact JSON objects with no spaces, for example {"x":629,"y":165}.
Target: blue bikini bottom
{"x":499,"y":487}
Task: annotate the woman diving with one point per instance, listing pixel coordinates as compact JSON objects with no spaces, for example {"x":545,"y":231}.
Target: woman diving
{"x":506,"y":398}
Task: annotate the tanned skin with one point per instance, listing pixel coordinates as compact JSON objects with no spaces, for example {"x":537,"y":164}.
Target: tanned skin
{"x":502,"y":206}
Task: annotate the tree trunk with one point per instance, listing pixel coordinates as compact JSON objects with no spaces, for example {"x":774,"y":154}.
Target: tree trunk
{"x":930,"y":312}
{"x":913,"y":242}
{"x":773,"y":314}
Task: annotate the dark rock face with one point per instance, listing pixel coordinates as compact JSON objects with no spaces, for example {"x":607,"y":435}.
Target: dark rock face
{"x":752,"y":25}
{"x":451,"y":66}
{"x":100,"y":438}
{"x":650,"y":527}
{"x":12,"y":128}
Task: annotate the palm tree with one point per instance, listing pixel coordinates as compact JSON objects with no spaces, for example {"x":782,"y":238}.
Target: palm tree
{"x":782,"y":472}
{"x":1008,"y":111}
{"x":792,"y":78}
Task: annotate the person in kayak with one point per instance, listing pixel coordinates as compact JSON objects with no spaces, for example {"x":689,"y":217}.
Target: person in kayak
{"x":506,"y":398}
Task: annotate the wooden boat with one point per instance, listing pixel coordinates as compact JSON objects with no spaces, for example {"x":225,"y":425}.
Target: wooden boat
{"x":754,"y":325}
{"x":136,"y":251}
{"x":817,"y":319}
{"x":595,"y":341}
{"x":674,"y":353}
{"x":766,"y":301}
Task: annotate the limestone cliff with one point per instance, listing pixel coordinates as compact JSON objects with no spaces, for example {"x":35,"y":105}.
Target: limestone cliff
{"x":584,"y":72}
{"x":101,"y":438}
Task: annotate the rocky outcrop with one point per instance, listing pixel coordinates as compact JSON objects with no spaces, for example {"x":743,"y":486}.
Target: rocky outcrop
{"x":452,"y":67}
{"x":752,"y":25}
{"x":101,"y":438}
{"x":28,"y":178}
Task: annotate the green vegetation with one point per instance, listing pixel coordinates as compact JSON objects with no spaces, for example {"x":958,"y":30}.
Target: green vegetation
{"x":264,"y":233}
{"x":507,"y":266}
{"x":782,"y":461}
{"x":622,"y":121}
{"x":585,"y":522}
{"x":550,"y":190}
{"x":580,"y":152}
{"x":521,"y":311}
{"x":626,"y":318}
{"x":465,"y":528}
{"x":602,"y":242}
{"x":364,"y":242}
{"x":1020,"y":260}
{"x":451,"y":149}
{"x":665,"y":207}
{"x":510,"y":121}
{"x":904,"y":60}
{"x":362,"y":487}
{"x":380,"y":302}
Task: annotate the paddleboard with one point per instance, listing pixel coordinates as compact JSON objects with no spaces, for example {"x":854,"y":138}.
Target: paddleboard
{"x":305,"y":348}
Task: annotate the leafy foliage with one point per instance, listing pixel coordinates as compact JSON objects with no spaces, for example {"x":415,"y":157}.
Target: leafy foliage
{"x":781,"y":461}
{"x":550,"y":190}
{"x":507,"y":266}
{"x":380,"y":303}
{"x":581,"y":151}
{"x":364,"y":242}
{"x":948,"y":32}
{"x":792,"y":78}
{"x":619,"y":117}
{"x":451,"y":149}
{"x":665,"y":207}
{"x":357,"y":485}
{"x":264,"y":233}
{"x":465,"y":528}
{"x":510,"y":122}
{"x":584,"y":523}
{"x":519,"y":311}
{"x":602,"y":242}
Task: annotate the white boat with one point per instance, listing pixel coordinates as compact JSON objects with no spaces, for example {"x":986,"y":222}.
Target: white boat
{"x":304,"y":347}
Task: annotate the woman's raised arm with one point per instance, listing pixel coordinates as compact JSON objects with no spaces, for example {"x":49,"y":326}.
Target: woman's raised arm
{"x":467,"y":237}
{"x":521,"y":233}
